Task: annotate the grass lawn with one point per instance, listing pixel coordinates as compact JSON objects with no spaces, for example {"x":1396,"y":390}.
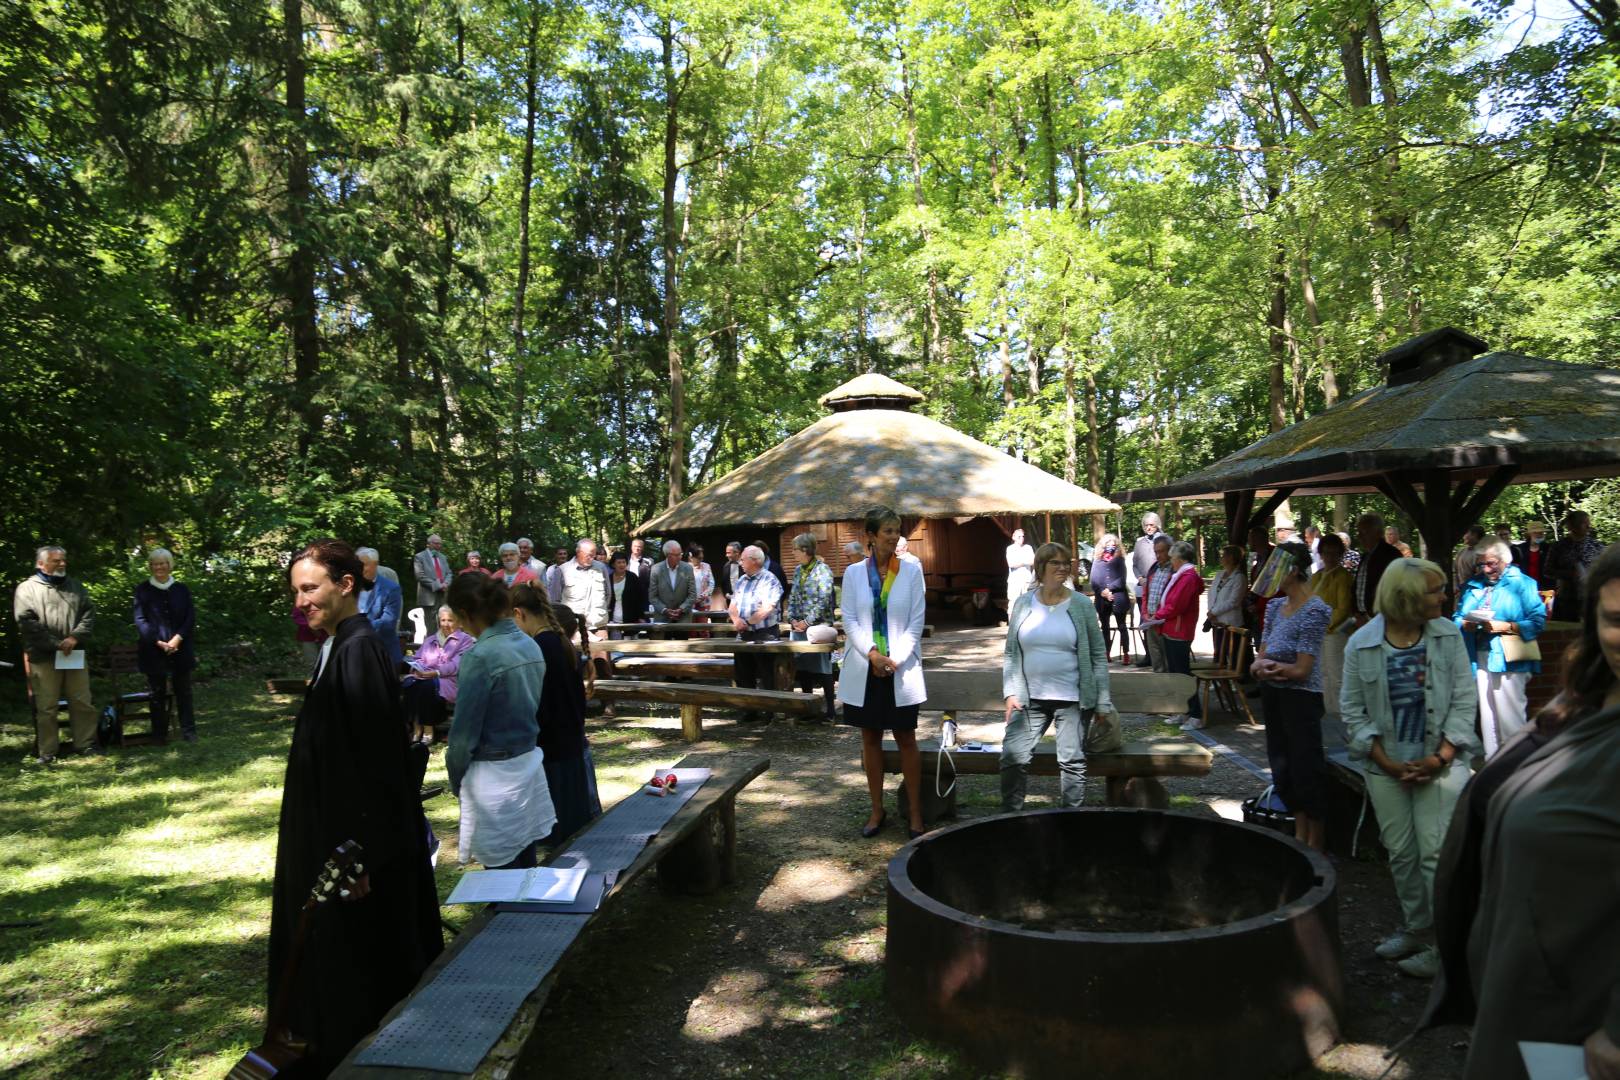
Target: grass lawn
{"x":148,"y":874}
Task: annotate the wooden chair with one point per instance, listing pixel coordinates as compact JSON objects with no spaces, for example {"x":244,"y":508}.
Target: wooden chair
{"x":121,"y":666}
{"x":1231,"y":664}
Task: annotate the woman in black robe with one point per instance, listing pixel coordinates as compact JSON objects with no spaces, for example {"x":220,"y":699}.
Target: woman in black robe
{"x":347,"y":779}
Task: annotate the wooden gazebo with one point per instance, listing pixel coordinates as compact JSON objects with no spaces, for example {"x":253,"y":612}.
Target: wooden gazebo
{"x":960,"y":498}
{"x":1444,"y":435}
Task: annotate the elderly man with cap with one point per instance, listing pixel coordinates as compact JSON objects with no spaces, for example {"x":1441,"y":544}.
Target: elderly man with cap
{"x":1142,"y":560}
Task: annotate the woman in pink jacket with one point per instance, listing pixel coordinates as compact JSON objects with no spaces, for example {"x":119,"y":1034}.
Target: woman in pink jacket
{"x":1177,"y":619}
{"x":430,"y":686}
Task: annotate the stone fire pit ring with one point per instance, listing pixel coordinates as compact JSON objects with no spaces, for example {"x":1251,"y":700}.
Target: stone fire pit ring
{"x":1116,"y":943}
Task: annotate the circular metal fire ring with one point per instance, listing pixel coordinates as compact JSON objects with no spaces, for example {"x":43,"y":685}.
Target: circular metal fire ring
{"x":1116,"y":943}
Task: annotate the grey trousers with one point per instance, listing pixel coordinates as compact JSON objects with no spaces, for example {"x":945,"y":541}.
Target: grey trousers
{"x":1154,"y":638}
{"x":1024,"y":731}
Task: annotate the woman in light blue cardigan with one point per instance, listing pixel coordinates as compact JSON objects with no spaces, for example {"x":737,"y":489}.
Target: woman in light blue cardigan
{"x":1407,"y":699}
{"x":1054,"y":670}
{"x":1499,"y":609}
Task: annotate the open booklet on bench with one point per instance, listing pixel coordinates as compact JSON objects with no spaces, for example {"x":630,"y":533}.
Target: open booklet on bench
{"x":541,"y":884}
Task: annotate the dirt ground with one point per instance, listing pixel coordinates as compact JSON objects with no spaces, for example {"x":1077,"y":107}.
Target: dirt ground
{"x":781,"y":973}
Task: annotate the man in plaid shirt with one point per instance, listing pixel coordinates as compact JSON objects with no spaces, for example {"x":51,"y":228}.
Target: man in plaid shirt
{"x":1157,"y":580}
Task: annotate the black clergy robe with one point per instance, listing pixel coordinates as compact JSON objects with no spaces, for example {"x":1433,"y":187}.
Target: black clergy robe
{"x":347,"y":779}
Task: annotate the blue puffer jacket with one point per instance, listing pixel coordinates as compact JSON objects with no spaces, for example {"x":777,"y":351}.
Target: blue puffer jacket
{"x":1512,"y":598}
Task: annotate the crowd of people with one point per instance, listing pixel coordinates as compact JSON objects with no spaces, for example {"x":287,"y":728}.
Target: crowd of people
{"x":1486,"y":812}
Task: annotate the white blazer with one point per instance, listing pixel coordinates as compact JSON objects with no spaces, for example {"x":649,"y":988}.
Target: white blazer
{"x":905,"y":630}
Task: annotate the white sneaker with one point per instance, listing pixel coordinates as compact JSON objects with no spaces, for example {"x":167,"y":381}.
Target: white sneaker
{"x":1423,"y":965}
{"x":1194,"y":723}
{"x":1398,"y":945}
{"x":1177,"y":720}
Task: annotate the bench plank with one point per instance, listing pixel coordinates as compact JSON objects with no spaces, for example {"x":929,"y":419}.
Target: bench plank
{"x":1156,"y":693}
{"x":731,"y":772}
{"x":693,"y":697}
{"x":674,"y":667}
{"x":1143,"y":757}
{"x":637,"y":646}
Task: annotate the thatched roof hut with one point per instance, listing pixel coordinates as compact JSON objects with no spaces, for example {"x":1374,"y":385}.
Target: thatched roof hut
{"x":960,"y":498}
{"x":873,"y":449}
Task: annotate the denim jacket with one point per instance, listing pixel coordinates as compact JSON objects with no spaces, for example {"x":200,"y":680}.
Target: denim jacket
{"x":1449,"y":695}
{"x":497,"y":700}
{"x":1515,"y":599}
{"x":1090,"y":656}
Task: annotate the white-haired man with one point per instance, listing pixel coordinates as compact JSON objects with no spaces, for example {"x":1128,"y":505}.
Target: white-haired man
{"x":1020,"y":568}
{"x":382,"y":604}
{"x":432,"y":571}
{"x":527,"y":557}
{"x":754,"y":616}
{"x":673,"y":586}
{"x":585,"y":585}
{"x":55,"y":615}
{"x":1144,"y":559}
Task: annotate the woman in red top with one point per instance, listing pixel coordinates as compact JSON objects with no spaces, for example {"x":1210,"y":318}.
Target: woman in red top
{"x":1177,"y":618}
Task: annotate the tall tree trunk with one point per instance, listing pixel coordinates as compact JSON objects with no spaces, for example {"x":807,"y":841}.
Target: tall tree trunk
{"x":1071,"y":454}
{"x":403,"y":331}
{"x":672,"y":305}
{"x":520,"y":349}
{"x":934,"y":346}
{"x":1394,"y":218}
{"x":1099,"y":522}
{"x":300,"y":271}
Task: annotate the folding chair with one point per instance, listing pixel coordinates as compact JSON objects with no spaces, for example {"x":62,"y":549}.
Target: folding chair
{"x":1230,"y":666}
{"x":122,"y":663}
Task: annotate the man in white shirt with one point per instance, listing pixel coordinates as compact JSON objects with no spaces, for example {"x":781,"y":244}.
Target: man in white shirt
{"x":754,"y":617}
{"x":900,"y":550}
{"x":1020,"y":568}
{"x":585,"y":586}
{"x":640,"y":565}
{"x":527,"y":558}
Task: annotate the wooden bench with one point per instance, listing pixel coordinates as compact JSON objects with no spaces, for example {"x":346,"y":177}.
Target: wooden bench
{"x":782,"y":653}
{"x":693,"y":698}
{"x":710,"y":668}
{"x":695,"y":853}
{"x":285,"y":685}
{"x":1132,"y":772}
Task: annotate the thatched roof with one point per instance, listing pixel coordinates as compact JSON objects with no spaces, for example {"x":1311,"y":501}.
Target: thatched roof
{"x":1552,"y":420}
{"x":872,"y":388}
{"x":837,"y":467}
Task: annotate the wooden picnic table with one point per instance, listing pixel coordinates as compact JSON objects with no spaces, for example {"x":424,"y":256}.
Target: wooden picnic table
{"x":782,"y":653}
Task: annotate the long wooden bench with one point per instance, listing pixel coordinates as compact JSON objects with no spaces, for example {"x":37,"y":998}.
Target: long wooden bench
{"x":701,"y":668}
{"x":781,"y":653}
{"x":695,"y":853}
{"x":693,"y":698}
{"x":1132,"y":772}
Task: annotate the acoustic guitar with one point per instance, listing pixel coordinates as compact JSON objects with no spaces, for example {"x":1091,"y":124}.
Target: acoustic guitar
{"x":284,"y":1055}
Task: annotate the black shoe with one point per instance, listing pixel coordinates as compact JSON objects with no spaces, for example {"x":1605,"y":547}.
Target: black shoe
{"x":189,"y":736}
{"x":1144,"y":662}
{"x":912,"y":834}
{"x":869,"y":831}
{"x":47,"y":759}
{"x":91,"y":751}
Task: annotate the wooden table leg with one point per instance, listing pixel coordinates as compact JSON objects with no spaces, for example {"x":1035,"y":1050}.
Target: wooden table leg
{"x":784,"y":671}
{"x":728,"y":846}
{"x":692,"y":722}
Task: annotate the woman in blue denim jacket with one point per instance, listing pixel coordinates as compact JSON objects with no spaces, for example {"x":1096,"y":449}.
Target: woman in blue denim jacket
{"x":1407,"y":700}
{"x":496,"y":770}
{"x":1499,"y":610}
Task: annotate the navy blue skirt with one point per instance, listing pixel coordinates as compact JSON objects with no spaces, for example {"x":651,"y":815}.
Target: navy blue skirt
{"x":880,"y":713}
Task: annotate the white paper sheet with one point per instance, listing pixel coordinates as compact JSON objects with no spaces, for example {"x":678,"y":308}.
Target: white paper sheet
{"x":543,"y":884}
{"x":1553,"y":1061}
{"x":73,"y":661}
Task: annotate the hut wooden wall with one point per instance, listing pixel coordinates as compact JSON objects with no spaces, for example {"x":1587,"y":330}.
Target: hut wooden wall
{"x":955,"y":556}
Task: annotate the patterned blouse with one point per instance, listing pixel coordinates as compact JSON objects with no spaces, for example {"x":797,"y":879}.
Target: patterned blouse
{"x":811,"y":600}
{"x":1287,"y":637}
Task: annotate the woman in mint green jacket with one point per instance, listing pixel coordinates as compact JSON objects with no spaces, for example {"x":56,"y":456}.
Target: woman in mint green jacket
{"x":1054,"y":670}
{"x":1408,"y":699}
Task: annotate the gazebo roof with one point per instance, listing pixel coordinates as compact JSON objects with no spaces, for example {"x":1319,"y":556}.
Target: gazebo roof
{"x":843,"y":463}
{"x":1550,"y":420}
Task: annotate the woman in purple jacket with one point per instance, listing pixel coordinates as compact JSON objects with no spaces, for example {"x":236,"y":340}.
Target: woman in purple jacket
{"x":430,"y":685}
{"x":167,"y":621}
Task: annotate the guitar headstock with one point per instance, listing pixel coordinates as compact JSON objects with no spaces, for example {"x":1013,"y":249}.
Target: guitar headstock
{"x":340,"y":873}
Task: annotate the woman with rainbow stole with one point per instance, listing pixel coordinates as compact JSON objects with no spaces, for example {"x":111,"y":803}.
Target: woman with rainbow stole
{"x":880,"y":681}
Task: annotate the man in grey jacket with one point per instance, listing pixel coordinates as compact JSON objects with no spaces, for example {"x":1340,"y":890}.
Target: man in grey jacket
{"x":433,"y":575}
{"x":55,"y":616}
{"x":673,"y":588}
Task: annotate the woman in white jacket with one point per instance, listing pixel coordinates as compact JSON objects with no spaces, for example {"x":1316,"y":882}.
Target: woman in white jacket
{"x":880,"y":680}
